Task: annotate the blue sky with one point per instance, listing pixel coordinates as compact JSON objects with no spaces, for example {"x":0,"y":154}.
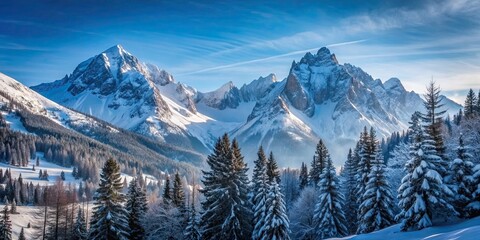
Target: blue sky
{"x":205,"y":44}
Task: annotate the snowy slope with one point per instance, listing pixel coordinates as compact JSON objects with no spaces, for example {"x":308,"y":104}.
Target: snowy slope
{"x":465,"y":230}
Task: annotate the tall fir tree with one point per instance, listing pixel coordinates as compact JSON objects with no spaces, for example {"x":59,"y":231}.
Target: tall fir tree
{"x":192,"y":231}
{"x":351,"y":205}
{"x":178,"y":196}
{"x":318,"y":163}
{"x":260,"y":194}
{"x":375,"y":211}
{"x":366,"y":152}
{"x":433,"y":122}
{"x":460,"y":179}
{"x":272,"y":169}
{"x":329,"y":217}
{"x":21,"y":236}
{"x":422,"y":190}
{"x":167,"y":191}
{"x":227,"y":214}
{"x":276,"y":225}
{"x":303,"y":178}
{"x":470,"y":106}
{"x":137,"y":208}
{"x":109,"y":219}
{"x":473,"y":208}
{"x":5,"y":225}
{"x":80,"y":228}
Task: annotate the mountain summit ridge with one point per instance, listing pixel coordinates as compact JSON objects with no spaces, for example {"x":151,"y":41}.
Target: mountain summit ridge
{"x":319,"y":98}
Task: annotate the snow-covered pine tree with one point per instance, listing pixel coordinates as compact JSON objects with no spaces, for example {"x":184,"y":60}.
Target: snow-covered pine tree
{"x":109,"y":219}
{"x":366,"y":153}
{"x":5,"y":225}
{"x":433,"y":122}
{"x":328,"y":215}
{"x":473,"y":208}
{"x":422,"y":190}
{"x":375,"y":211}
{"x":350,"y":182}
{"x":470,"y":104}
{"x":178,"y":196}
{"x":21,"y":236}
{"x":318,"y":163}
{"x":167,"y":191}
{"x":136,"y":207}
{"x":272,"y":169}
{"x":302,"y":224}
{"x":303,"y":179}
{"x":192,"y":231}
{"x":276,"y":225}
{"x":459,"y":179}
{"x":227,"y":213}
{"x":80,"y":228}
{"x":260,"y":194}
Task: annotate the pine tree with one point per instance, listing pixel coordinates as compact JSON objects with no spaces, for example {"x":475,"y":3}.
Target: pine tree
{"x":422,"y":190}
{"x":433,"y":122}
{"x":328,"y":215}
{"x":351,"y":205}
{"x":167,"y":192}
{"x":377,"y":202}
{"x":272,"y":169}
{"x":13,"y":208}
{"x":260,"y":194}
{"x":178,"y":196}
{"x":62,"y":175}
{"x":80,"y":228}
{"x":366,"y":152}
{"x":192,"y":231}
{"x":136,"y":207}
{"x":5,"y":225}
{"x":470,"y":104}
{"x":473,"y":208}
{"x":318,"y":162}
{"x":227,"y":213}
{"x":109,"y":219}
{"x":22,"y":235}
{"x":276,"y":223}
{"x":303,"y":179}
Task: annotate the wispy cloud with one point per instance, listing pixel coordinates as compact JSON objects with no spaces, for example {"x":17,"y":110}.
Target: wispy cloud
{"x":297,"y":52}
{"x":35,"y":24}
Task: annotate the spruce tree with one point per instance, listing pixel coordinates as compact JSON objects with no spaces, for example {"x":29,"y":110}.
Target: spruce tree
{"x":473,"y":208}
{"x":192,"y":231}
{"x":272,"y":169}
{"x":167,"y":192}
{"x":318,"y":162}
{"x":109,"y":219}
{"x":351,"y":205}
{"x":178,"y":196}
{"x":329,"y":217}
{"x":22,"y":235}
{"x":422,"y":190}
{"x":470,"y":106}
{"x":227,"y":214}
{"x":80,"y":228}
{"x":366,"y":153}
{"x":276,"y":223}
{"x":5,"y":225}
{"x":136,"y":208}
{"x":433,"y":122}
{"x":303,"y":178}
{"x":260,"y":194}
{"x":375,"y":211}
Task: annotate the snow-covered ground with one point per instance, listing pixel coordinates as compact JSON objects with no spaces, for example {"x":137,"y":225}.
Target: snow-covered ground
{"x":14,"y":122}
{"x":464,"y":230}
{"x":29,"y":175}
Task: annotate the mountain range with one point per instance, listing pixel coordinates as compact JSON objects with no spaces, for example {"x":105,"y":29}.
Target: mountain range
{"x":320,"y":98}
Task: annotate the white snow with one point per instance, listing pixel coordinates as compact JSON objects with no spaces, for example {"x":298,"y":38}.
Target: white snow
{"x":468,"y":229}
{"x":14,"y":122}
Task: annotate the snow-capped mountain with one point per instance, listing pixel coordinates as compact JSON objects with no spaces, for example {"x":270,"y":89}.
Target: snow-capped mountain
{"x":319,"y":98}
